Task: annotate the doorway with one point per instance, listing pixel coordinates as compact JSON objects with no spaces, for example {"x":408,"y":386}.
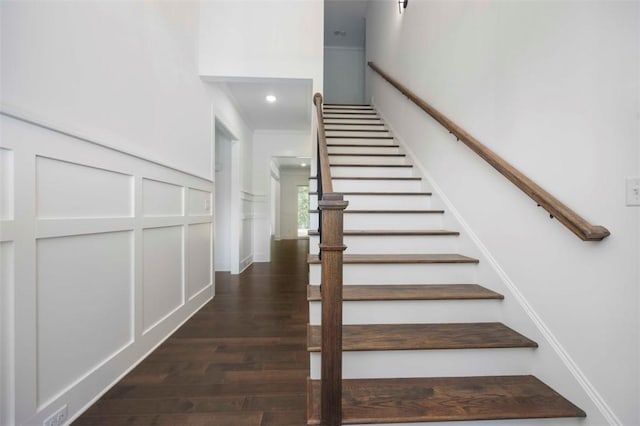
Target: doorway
{"x":222,"y":205}
{"x":303,"y":211}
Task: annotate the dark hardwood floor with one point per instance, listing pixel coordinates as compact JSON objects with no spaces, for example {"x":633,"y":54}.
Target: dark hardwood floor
{"x":241,"y":360}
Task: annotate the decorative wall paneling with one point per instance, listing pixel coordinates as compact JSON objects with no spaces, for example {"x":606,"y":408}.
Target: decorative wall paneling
{"x":103,"y":255}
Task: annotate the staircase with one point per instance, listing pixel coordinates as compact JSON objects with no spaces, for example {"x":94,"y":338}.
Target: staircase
{"x":422,"y":342}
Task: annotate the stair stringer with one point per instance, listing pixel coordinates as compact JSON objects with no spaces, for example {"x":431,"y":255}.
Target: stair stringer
{"x":551,"y":362}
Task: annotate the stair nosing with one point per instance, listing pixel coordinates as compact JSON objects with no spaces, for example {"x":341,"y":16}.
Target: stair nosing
{"x":358,"y":137}
{"x":393,"y":233}
{"x":355,"y":145}
{"x":418,"y":211}
{"x":400,"y":259}
{"x":371,"y":193}
{"x":419,"y":411}
{"x":355,"y":338}
{"x":398,"y":292}
{"x":359,"y":154}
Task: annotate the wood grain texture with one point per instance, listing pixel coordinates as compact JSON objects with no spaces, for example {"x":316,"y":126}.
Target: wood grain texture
{"x":572,"y":220}
{"x":331,"y":249}
{"x":389,"y":211}
{"x":332,"y":145}
{"x":356,"y":154}
{"x":342,"y":123}
{"x":397,"y":337}
{"x":370,"y":111}
{"x":392,"y":232}
{"x":446,"y":399}
{"x":358,"y":137}
{"x":400,"y":258}
{"x":372,"y":178}
{"x":410,"y":292}
{"x":323,"y":153}
{"x":241,"y":360}
{"x":381,"y":193}
{"x":405,"y":166}
{"x":356,"y":130}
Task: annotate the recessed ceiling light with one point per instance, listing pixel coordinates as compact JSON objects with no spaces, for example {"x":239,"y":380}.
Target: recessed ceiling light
{"x":271,"y":98}
{"x":303,"y":165}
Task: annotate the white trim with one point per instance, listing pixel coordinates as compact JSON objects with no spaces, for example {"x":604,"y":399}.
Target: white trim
{"x":142,"y":358}
{"x":554,"y":343}
{"x":77,"y":134}
{"x":247,"y":261}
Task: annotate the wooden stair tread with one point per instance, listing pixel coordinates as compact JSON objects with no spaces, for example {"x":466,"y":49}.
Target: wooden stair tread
{"x":356,"y":130}
{"x":372,"y":165}
{"x":410,"y":292}
{"x":327,"y":120}
{"x":368,"y":112}
{"x":444,"y":399}
{"x":352,"y":118}
{"x":360,"y":154}
{"x":357,"y":137}
{"x":355,"y":145}
{"x":380,"y":193}
{"x":394,"y":337}
{"x":399,"y":258}
{"x":392,"y":232}
{"x":389,"y":211}
{"x":371,"y":178}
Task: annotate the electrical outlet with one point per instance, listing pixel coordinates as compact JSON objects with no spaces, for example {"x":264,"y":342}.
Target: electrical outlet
{"x":58,"y":418}
{"x":633,"y":191}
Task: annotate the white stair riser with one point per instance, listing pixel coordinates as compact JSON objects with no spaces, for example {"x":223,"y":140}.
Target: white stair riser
{"x":360,"y":159}
{"x":405,"y":244}
{"x":343,"y":134}
{"x":354,"y":185}
{"x":373,"y":202}
{"x":399,"y":221}
{"x":412,"y":273}
{"x":338,"y":127}
{"x":372,"y":171}
{"x":430,"y":363}
{"x":351,"y":121}
{"x":358,"y":141}
{"x":350,"y":116}
{"x":363,"y":150}
{"x":413,"y":311}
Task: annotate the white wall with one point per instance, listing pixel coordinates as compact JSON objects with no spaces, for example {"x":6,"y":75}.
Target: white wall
{"x":266,"y":145}
{"x":265,"y":39}
{"x":343,"y":75}
{"x":553,"y":88}
{"x":123,"y":75}
{"x":135,"y":87}
{"x":290,"y":179}
{"x":111,"y":253}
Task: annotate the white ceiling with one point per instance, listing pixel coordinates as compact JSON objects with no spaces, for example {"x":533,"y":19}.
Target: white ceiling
{"x":292,"y":162}
{"x":347,"y":16}
{"x":292,"y":110}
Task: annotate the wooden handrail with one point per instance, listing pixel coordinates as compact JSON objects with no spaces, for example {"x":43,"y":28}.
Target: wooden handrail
{"x":323,"y":157}
{"x":331,"y":211}
{"x":572,"y":220}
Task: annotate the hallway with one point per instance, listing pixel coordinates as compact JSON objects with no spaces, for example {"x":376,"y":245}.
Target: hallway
{"x":241,"y":360}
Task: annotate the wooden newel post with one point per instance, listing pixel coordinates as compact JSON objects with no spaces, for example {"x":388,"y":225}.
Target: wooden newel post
{"x":332,"y":247}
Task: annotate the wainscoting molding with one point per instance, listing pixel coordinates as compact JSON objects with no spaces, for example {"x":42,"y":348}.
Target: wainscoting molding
{"x":103,"y":255}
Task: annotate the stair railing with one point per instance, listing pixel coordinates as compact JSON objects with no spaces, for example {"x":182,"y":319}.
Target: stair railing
{"x":331,"y":207}
{"x":572,"y":220}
